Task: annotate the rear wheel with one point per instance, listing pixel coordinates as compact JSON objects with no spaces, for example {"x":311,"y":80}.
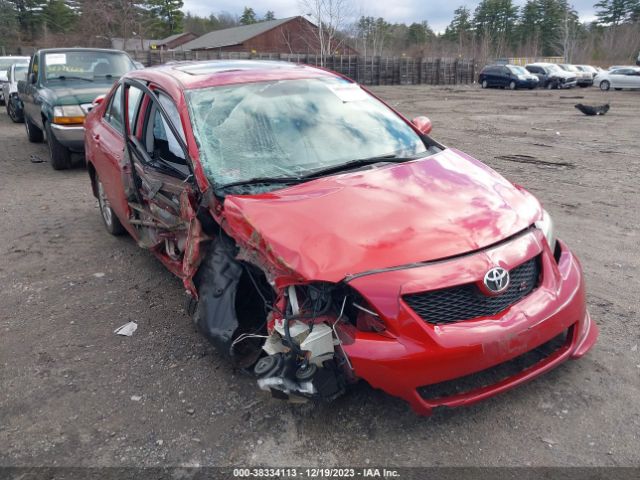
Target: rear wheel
{"x":512,"y":85}
{"x":111,"y":222}
{"x":59,"y":154}
{"x":34,"y":134}
{"x":605,"y":85}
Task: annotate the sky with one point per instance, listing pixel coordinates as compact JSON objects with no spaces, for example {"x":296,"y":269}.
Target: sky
{"x":437,"y":13}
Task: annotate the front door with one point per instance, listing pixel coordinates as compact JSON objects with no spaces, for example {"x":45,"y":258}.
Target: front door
{"x":162,"y":195}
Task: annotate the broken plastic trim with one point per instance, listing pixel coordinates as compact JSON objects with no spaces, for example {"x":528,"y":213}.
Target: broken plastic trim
{"x":231,"y":310}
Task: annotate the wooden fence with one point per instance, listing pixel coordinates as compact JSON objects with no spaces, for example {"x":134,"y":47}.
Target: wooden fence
{"x":364,"y":70}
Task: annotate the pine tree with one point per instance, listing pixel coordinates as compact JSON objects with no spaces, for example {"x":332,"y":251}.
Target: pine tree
{"x":616,"y":12}
{"x":166,"y":17}
{"x":460,"y":28}
{"x":269,"y":16}
{"x":248,"y":16}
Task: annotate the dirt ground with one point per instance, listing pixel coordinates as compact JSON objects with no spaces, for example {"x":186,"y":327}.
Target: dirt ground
{"x":74,"y":394}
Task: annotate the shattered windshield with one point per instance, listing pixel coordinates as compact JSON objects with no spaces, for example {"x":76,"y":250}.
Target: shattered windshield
{"x":292,"y":127}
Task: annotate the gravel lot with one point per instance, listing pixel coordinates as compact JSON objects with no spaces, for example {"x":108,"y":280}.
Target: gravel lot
{"x":74,"y":394}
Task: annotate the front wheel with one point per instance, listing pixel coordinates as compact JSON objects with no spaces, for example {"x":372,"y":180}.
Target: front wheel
{"x":512,"y":85}
{"x":14,"y":114}
{"x":605,"y":85}
{"x":551,"y":85}
{"x":111,"y":221}
{"x":485,"y":84}
{"x":59,"y":154}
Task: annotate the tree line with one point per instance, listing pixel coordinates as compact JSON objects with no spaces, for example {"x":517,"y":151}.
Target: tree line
{"x":499,"y":28}
{"x":495,"y":28}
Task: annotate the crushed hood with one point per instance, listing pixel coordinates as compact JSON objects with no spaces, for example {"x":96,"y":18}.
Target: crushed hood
{"x":350,"y":223}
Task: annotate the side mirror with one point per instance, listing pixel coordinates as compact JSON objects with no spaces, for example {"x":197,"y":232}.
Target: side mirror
{"x":423,"y":124}
{"x":97,"y":101}
{"x":32,"y":78}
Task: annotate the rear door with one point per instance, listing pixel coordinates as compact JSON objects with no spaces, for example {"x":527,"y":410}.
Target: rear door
{"x":634,"y":79}
{"x":619,"y":78}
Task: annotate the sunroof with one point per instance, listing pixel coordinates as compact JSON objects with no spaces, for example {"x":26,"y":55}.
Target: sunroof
{"x":222,"y":66}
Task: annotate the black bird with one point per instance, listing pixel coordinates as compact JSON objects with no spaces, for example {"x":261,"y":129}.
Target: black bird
{"x":589,"y":110}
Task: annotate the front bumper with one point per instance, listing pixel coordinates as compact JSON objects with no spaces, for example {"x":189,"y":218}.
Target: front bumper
{"x":71,"y":137}
{"x":413,"y":354}
{"x":585,"y":82}
{"x":568,"y":84}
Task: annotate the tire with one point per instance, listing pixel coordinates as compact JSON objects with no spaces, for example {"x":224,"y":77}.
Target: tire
{"x":551,"y":85}
{"x":14,"y":115}
{"x":109,"y":218}
{"x":512,"y":85}
{"x":485,"y":84}
{"x":34,"y":134}
{"x":605,"y":85}
{"x":59,"y":155}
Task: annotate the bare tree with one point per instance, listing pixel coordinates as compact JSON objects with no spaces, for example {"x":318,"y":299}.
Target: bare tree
{"x":329,"y":18}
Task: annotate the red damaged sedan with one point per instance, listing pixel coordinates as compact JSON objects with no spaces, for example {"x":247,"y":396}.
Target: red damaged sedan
{"x":324,"y":238}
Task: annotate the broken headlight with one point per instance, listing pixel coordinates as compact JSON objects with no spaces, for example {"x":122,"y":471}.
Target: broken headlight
{"x":546,"y":225}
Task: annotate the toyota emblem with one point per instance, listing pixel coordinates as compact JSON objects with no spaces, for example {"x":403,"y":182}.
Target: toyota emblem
{"x":497,"y":279}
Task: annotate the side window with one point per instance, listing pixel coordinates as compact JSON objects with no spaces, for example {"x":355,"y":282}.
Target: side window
{"x":161,"y":142}
{"x":34,"y":66}
{"x":113,"y":114}
{"x":133,"y":105}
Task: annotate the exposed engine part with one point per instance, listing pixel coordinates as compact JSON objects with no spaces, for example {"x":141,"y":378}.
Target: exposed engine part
{"x":314,"y":341}
{"x":283,"y":376}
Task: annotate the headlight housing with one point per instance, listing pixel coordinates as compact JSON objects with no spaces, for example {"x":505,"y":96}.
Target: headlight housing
{"x":546,"y":225}
{"x":68,"y":115}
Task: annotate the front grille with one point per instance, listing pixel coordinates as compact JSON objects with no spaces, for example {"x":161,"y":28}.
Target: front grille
{"x":498,"y":373}
{"x":464,"y":302}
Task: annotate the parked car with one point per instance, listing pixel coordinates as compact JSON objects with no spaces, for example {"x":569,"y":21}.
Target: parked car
{"x":60,"y":86}
{"x":387,"y":257}
{"x":588,"y":69}
{"x":5,"y":64}
{"x":507,"y":76}
{"x":17,"y":72}
{"x":628,"y":77}
{"x":583,"y":79}
{"x":552,"y":76}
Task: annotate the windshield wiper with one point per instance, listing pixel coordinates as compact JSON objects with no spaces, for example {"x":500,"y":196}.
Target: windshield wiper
{"x":70,"y":77}
{"x":261,"y":180}
{"x":361,"y":162}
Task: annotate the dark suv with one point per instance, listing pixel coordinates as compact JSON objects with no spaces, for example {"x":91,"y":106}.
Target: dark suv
{"x":507,"y":76}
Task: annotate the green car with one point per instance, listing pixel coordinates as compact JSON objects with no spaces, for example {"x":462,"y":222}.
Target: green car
{"x":61,"y":85}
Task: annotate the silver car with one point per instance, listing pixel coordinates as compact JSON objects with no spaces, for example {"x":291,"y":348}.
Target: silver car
{"x":17,"y":71}
{"x":5,"y":64}
{"x":619,"y":78}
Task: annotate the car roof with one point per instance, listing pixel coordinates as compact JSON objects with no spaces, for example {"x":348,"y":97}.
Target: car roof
{"x":211,"y":73}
